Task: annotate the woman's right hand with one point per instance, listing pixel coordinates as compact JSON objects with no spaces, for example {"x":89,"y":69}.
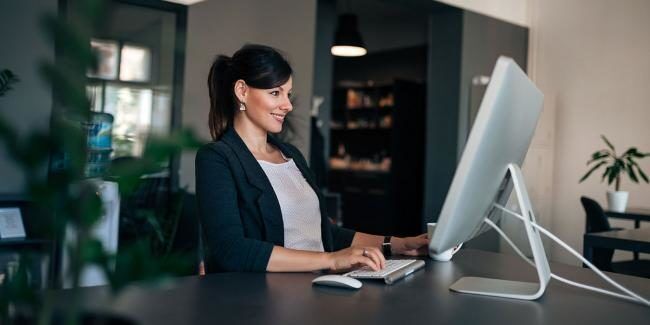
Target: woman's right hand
{"x":356,"y":256}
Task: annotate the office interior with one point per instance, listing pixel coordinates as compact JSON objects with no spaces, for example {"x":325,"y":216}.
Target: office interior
{"x":382,"y":132}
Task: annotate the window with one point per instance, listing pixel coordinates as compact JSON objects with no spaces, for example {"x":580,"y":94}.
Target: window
{"x":123,"y":87}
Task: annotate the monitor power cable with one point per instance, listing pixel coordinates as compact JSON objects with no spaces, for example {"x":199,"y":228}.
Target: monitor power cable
{"x":631,"y":296}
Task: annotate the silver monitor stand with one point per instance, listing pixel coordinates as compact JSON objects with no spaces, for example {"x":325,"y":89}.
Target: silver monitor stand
{"x":507,"y":288}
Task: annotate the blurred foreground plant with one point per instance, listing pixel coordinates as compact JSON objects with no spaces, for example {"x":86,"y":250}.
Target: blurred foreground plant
{"x":66,"y":200}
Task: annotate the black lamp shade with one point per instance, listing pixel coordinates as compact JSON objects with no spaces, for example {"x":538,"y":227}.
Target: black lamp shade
{"x":348,"y":40}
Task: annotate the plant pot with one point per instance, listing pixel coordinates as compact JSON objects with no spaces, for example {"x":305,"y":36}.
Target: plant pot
{"x":617,"y":200}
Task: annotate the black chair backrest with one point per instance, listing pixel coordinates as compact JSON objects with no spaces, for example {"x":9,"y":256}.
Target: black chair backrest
{"x":596,"y":218}
{"x":186,"y":239}
{"x":596,"y":222}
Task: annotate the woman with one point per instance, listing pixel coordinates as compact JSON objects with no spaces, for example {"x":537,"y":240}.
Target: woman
{"x":259,"y":207}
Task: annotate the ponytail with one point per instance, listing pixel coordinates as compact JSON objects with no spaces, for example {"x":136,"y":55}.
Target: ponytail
{"x":222,"y":101}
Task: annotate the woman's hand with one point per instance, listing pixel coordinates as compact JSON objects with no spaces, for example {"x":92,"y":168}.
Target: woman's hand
{"x":356,"y":256}
{"x":412,"y":246}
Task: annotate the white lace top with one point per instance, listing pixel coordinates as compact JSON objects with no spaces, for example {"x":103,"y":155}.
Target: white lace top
{"x":299,"y":205}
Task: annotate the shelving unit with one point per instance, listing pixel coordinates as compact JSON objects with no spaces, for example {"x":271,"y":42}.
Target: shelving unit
{"x":371,"y":135}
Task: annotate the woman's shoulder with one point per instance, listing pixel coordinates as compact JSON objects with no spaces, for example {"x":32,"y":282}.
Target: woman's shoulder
{"x":213,"y":149}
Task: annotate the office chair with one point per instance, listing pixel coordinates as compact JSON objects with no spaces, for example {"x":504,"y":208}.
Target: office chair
{"x":333,"y":206}
{"x":186,"y":239}
{"x":596,"y":221}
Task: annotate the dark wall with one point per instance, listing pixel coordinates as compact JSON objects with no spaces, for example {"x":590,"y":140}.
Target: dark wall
{"x":28,"y":106}
{"x":386,"y":66}
{"x":463,"y":45}
{"x":484,"y":40}
{"x":443,"y":97}
{"x":323,"y":69}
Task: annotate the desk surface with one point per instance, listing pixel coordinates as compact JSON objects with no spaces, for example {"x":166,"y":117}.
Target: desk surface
{"x":422,"y":298}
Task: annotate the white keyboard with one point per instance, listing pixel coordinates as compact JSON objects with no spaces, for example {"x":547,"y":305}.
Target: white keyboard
{"x":392,"y":271}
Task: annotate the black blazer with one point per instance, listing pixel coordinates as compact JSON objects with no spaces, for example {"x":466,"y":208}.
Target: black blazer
{"x":239,"y":212}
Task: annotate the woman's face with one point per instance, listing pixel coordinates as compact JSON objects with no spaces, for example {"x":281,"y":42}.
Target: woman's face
{"x":265,"y":108}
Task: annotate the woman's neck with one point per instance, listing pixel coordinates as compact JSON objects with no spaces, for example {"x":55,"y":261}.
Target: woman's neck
{"x":253,"y":136}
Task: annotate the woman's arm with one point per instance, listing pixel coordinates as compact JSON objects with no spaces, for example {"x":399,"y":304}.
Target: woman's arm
{"x":402,"y":246}
{"x":227,"y":249}
{"x":291,"y":260}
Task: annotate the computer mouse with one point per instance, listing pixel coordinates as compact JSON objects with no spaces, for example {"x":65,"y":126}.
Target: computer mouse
{"x":335,"y":280}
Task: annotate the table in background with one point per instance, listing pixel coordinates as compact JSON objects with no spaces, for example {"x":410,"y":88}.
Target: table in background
{"x":635,"y":240}
{"x":633,"y":213}
{"x":636,"y":214}
{"x":422,"y":298}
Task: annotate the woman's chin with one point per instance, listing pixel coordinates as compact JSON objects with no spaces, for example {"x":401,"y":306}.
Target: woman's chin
{"x":275,"y":129}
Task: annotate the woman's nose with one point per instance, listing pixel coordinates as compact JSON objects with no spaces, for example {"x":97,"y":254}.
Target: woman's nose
{"x":287,"y":105}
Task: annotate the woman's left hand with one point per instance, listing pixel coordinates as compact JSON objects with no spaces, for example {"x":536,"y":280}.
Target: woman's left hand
{"x":412,"y":246}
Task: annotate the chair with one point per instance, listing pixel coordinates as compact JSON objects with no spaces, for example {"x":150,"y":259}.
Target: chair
{"x":596,"y":221}
{"x":186,"y":239}
{"x":333,"y":207}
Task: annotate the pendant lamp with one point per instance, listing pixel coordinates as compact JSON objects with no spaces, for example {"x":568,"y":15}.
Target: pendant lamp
{"x":348,"y":40}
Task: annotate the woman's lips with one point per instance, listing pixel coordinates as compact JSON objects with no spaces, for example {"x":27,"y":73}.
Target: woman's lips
{"x":278,"y":117}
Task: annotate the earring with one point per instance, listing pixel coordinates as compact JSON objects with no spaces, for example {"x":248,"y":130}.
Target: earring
{"x":242,"y":107}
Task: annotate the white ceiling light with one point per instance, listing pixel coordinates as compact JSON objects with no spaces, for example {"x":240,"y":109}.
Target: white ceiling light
{"x":185,"y":2}
{"x":346,"y":50}
{"x":347,"y":41}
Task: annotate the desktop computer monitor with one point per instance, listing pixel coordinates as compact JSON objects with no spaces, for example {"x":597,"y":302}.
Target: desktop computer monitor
{"x":500,"y":136}
{"x":488,"y":172}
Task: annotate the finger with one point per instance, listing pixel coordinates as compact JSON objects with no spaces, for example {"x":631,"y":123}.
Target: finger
{"x":419,"y":241}
{"x":366,"y":261}
{"x":376,"y":256}
{"x":379,"y":254}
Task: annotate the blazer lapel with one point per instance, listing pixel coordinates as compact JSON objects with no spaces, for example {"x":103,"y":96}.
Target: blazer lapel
{"x":268,"y":202}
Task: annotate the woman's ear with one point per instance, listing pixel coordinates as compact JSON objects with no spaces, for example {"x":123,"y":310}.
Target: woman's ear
{"x":241,"y":90}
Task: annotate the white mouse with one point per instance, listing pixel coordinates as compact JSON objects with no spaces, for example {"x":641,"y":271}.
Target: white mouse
{"x":335,"y":280}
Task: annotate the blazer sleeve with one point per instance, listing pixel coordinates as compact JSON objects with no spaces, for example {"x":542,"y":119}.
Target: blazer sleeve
{"x":341,"y":237}
{"x":227,"y":249}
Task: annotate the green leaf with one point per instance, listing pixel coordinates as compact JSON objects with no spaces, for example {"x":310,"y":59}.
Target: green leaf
{"x":631,"y":173}
{"x":6,"y":79}
{"x":611,"y":177}
{"x":592,"y":170}
{"x":609,"y":144}
{"x":638,"y":168}
{"x":598,"y":155}
{"x":606,"y":173}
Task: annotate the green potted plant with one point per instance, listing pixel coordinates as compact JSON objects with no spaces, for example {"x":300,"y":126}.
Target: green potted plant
{"x":66,"y":199}
{"x":615,"y":166}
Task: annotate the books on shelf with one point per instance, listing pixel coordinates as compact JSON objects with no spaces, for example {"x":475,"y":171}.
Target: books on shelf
{"x":346,"y":163}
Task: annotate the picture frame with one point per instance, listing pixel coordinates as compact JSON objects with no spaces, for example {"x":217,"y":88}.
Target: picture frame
{"x":11,"y":223}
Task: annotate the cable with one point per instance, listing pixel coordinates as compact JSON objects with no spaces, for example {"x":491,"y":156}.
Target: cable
{"x":554,"y":276}
{"x":632,"y":296}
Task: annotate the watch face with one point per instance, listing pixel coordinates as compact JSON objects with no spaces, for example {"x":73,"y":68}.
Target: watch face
{"x":385,"y":249}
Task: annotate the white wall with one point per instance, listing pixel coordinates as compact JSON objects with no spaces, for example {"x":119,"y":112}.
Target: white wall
{"x":591,"y":58}
{"x":514,"y":11}
{"x":28,"y":106}
{"x":222,"y":27}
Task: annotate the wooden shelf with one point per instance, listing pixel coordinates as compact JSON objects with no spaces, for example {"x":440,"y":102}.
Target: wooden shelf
{"x":23,"y":242}
{"x":337,"y":129}
{"x":371,"y":109}
{"x":359,"y":171}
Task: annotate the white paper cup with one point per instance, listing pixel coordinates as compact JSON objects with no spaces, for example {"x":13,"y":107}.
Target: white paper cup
{"x":446,"y":255}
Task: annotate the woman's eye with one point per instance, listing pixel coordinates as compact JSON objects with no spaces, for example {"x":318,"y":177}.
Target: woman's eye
{"x":275,"y":93}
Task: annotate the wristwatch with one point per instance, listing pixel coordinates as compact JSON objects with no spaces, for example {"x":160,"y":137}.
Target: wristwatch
{"x":385,"y":247}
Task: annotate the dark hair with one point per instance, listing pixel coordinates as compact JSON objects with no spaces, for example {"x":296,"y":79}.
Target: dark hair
{"x":260,"y":66}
